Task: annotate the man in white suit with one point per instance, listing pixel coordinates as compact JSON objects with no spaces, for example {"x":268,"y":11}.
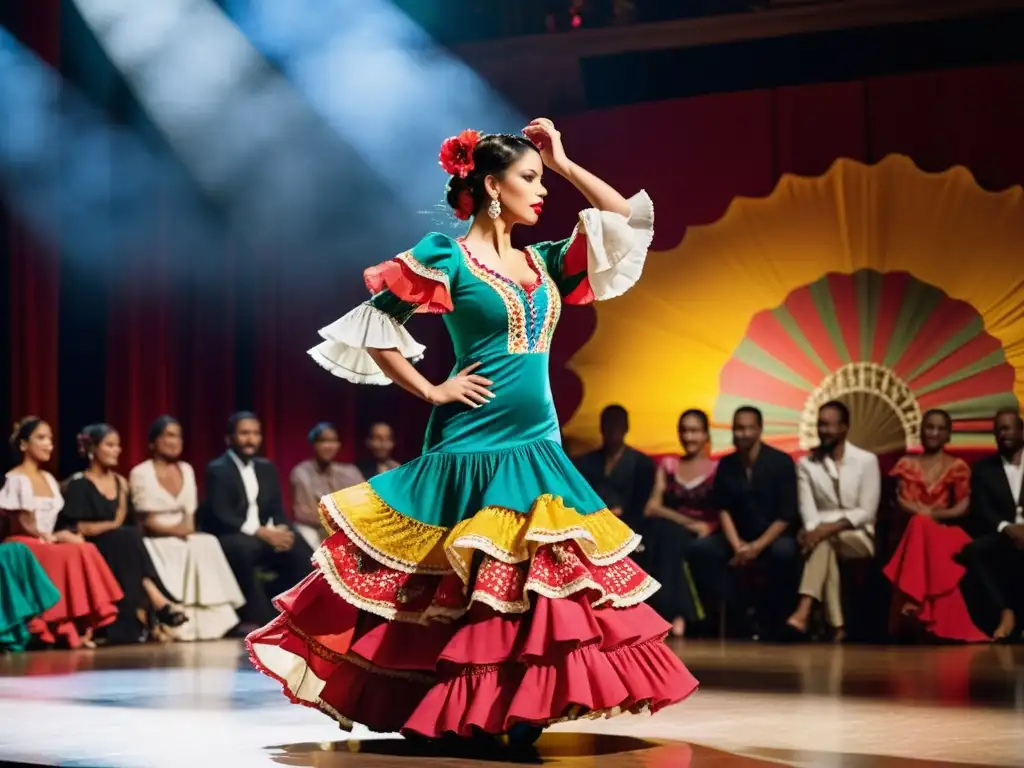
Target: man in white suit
{"x":839,"y":486}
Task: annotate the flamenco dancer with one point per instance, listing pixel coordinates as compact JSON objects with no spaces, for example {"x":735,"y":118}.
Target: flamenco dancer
{"x":482,"y":589}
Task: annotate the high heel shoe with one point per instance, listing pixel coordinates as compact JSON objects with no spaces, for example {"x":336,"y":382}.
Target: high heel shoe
{"x":170,"y":616}
{"x":523,"y":735}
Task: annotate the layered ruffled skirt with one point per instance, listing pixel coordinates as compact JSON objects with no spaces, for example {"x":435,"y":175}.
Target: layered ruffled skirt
{"x":524,"y":612}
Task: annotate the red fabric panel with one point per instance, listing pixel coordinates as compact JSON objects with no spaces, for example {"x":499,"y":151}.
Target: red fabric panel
{"x":34,"y":274}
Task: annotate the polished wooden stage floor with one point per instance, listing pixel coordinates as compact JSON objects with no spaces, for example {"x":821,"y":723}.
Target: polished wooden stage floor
{"x":201,"y":705}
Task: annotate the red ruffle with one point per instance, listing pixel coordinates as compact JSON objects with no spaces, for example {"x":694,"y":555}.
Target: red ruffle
{"x":574,"y":263}
{"x":394,"y":275}
{"x":562,"y":659}
{"x":89,"y":593}
{"x":556,"y":570}
{"x":923,"y":569}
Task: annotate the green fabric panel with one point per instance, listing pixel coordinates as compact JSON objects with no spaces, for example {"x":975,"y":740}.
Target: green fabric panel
{"x":759,"y":358}
{"x":972,"y":330}
{"x":868,"y":289}
{"x":787,"y":321}
{"x":822,"y":298}
{"x":980,"y":407}
{"x":918,"y":304}
{"x":445,"y":488}
{"x":990,"y":360}
{"x":972,"y":439}
{"x":553,"y":255}
{"x":26,"y":592}
{"x":393,"y":306}
{"x":728,"y":403}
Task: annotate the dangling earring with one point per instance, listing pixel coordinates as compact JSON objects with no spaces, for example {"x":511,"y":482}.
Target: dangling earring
{"x":494,"y":209}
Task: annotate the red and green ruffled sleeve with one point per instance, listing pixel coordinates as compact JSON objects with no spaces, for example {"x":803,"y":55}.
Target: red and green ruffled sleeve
{"x":415,"y":281}
{"x":604,"y":257}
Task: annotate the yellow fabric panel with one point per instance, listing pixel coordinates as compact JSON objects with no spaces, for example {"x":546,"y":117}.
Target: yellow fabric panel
{"x":386,"y":534}
{"x":660,"y":348}
{"x":512,"y":537}
{"x":410,"y":546}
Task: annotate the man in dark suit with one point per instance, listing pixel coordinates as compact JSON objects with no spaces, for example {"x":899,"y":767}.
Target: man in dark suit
{"x":755,"y":489}
{"x":996,"y":520}
{"x":622,"y":476}
{"x":243,"y":508}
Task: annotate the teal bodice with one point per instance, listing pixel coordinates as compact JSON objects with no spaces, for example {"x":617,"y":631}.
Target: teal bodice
{"x":501,"y":325}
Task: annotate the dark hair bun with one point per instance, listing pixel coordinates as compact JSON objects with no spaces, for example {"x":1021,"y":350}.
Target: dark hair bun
{"x":23,"y":430}
{"x":493,"y":155}
{"x":91,"y":436}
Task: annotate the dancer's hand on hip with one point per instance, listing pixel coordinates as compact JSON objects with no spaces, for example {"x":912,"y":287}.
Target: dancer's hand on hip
{"x":464,"y":387}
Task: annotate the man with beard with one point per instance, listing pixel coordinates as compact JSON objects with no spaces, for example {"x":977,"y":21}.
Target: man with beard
{"x":996,"y":519}
{"x":755,"y":489}
{"x":839,"y":488}
{"x":245,"y":511}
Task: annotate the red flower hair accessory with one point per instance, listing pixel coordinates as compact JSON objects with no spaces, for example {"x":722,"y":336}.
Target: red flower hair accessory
{"x":457,"y":153}
{"x":465,"y":209}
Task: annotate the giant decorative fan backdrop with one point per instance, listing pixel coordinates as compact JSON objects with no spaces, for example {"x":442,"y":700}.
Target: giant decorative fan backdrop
{"x":887,"y":345}
{"x":858,"y":233}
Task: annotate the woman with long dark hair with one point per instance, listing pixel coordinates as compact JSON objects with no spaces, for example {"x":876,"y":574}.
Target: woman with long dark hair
{"x":483,"y":588}
{"x":32,"y":502}
{"x":97,"y":506}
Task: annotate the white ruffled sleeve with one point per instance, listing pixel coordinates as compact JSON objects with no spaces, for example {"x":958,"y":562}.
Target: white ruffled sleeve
{"x":16,"y":494}
{"x":605,"y":255}
{"x":346,"y":341}
{"x":617,"y":246}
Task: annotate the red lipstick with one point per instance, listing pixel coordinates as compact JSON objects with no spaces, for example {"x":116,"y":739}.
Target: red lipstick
{"x":537,"y":208}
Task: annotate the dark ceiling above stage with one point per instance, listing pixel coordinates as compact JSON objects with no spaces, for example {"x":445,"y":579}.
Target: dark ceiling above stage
{"x":831,"y":56}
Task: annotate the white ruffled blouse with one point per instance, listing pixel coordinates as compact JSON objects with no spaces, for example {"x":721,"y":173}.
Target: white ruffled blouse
{"x":17,"y":496}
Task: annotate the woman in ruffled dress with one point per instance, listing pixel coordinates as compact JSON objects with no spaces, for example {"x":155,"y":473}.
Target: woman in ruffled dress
{"x":26,"y":593}
{"x":31,"y":500}
{"x":934,"y":489}
{"x":192,"y":565}
{"x":482,"y":589}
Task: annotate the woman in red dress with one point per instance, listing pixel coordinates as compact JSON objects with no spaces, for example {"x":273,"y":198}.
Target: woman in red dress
{"x":934,"y":489}
{"x":31,"y":500}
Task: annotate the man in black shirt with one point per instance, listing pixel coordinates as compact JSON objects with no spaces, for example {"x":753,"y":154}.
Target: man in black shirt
{"x":622,"y":476}
{"x":755,"y":489}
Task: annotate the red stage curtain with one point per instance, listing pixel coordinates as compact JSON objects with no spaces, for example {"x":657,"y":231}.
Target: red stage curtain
{"x":171,"y":350}
{"x":694,"y":156}
{"x":34,"y":273}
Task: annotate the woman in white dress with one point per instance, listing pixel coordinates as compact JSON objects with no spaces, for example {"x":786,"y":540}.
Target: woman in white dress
{"x":191,"y":565}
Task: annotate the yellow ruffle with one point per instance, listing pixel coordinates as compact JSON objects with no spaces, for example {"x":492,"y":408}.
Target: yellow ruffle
{"x":385,"y":534}
{"x":410,"y":546}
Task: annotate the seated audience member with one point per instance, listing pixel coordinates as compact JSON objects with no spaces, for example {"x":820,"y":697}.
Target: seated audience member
{"x":97,"y":505}
{"x":755,"y":491}
{"x":839,"y":486}
{"x":26,"y":594}
{"x":191,"y":565}
{"x":934,"y":489}
{"x":996,"y":519}
{"x":244,"y":509}
{"x":318,"y":477}
{"x":620,"y":475}
{"x":32,"y":501}
{"x":679,"y":512}
{"x":380,"y":442}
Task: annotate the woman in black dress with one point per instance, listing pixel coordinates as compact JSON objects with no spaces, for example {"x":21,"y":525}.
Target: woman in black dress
{"x":97,"y":506}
